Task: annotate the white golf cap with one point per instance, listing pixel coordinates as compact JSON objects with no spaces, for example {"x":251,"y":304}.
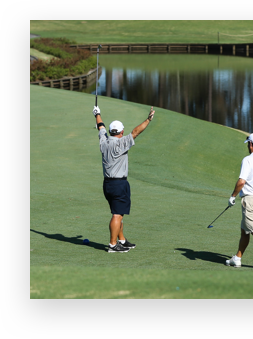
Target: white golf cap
{"x":116,"y":127}
{"x":249,"y":138}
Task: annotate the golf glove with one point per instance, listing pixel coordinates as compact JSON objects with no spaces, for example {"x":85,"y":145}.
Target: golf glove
{"x":231,"y":201}
{"x":151,"y":114}
{"x":96,"y":110}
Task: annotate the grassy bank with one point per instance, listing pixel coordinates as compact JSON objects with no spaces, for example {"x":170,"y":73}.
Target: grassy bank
{"x":41,"y":55}
{"x":138,"y":31}
{"x":67,"y":61}
{"x":181,"y":171}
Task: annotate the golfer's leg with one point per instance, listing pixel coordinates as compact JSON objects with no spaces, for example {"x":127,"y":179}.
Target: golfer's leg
{"x":114,"y":227}
{"x":121,"y":235}
{"x":243,"y":243}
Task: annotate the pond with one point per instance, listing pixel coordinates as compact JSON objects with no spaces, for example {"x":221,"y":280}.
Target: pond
{"x":215,"y":88}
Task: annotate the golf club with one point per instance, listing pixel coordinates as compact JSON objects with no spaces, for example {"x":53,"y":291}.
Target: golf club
{"x":217,"y":217}
{"x":99,"y":46}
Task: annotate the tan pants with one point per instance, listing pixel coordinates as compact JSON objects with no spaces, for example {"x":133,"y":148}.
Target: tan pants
{"x":247,"y":214}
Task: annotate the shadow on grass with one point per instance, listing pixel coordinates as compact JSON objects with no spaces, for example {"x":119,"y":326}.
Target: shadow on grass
{"x":206,"y":256}
{"x":73,"y":240}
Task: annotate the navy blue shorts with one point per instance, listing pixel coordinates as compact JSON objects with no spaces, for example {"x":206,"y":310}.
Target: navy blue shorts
{"x":117,"y":193}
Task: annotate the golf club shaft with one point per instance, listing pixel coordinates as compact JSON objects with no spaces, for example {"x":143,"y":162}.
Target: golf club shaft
{"x":219,"y":215}
{"x":96,"y":102}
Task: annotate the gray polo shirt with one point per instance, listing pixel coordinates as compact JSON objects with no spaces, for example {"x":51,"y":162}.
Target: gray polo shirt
{"x":115,"y":154}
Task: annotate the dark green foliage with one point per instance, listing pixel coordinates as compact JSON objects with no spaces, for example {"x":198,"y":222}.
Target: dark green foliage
{"x":67,"y":62}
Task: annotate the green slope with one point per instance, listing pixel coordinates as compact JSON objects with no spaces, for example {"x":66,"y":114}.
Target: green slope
{"x":181,"y":171}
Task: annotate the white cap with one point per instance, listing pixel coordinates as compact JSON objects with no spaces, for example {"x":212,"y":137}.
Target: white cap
{"x":249,"y":138}
{"x":116,"y":126}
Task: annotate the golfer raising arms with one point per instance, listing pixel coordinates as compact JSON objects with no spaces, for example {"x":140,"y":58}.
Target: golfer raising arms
{"x":114,"y":149}
{"x":244,"y":186}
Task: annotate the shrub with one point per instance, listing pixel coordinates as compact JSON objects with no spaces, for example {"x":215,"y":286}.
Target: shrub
{"x":64,"y":41}
{"x":41,"y":76}
{"x":55,"y":51}
{"x":58,"y":47}
{"x":56,"y":72}
{"x":83,"y":66}
{"x":37,"y":75}
{"x":67,"y":61}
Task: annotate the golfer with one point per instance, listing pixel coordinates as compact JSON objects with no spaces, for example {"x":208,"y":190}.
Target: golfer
{"x":114,"y":149}
{"x":244,"y":186}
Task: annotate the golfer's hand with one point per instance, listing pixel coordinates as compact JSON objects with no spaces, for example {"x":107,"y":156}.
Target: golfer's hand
{"x":151,"y":114}
{"x":231,"y":201}
{"x":96,"y":110}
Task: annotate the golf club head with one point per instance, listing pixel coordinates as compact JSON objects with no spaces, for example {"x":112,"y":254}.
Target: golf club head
{"x":99,"y":46}
{"x":210,"y":226}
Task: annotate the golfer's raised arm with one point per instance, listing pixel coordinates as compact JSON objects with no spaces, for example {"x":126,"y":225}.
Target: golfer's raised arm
{"x":137,"y":130}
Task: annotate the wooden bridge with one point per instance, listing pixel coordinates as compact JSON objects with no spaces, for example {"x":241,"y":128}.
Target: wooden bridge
{"x":231,"y":49}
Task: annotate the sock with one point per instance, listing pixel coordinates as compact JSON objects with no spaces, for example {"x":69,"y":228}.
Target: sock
{"x":111,"y":245}
{"x":122,"y":241}
{"x":237,"y":258}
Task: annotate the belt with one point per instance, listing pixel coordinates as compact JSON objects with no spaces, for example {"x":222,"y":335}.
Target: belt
{"x":107,"y":178}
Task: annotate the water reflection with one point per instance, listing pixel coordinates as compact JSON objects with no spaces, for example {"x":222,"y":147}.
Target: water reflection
{"x":221,"y":95}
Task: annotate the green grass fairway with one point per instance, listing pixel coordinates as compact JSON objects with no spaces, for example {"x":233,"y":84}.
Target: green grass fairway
{"x":145,"y":31}
{"x":181,"y":171}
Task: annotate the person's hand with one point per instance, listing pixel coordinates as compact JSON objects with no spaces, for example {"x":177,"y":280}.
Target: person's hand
{"x":151,"y":114}
{"x":96,"y":111}
{"x":231,"y":201}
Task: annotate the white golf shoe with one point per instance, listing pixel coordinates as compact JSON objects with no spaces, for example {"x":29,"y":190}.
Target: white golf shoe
{"x":236,"y":262}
